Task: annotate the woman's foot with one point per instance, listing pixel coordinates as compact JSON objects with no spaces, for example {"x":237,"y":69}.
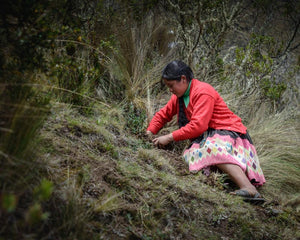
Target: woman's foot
{"x":249,"y":192}
{"x":251,"y":197}
{"x":245,"y":193}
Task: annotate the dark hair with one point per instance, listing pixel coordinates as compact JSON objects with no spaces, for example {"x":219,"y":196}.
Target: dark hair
{"x":175,"y":69}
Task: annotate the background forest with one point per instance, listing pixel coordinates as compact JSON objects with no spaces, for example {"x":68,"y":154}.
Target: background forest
{"x":80,"y":80}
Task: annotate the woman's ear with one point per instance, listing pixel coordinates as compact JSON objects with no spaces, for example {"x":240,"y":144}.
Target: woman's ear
{"x":183,"y":78}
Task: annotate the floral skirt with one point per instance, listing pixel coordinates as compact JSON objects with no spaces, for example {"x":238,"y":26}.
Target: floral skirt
{"x":222,"y":146}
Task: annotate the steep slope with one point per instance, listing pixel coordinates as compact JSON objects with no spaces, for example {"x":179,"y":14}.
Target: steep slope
{"x":127,"y":189}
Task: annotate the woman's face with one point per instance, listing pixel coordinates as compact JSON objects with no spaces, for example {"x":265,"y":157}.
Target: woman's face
{"x":177,"y":87}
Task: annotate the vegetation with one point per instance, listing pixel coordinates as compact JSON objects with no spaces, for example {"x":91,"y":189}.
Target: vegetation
{"x":79,"y":81}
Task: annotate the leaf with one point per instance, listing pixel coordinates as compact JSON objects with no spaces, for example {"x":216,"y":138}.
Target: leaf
{"x":9,"y":202}
{"x":44,"y":190}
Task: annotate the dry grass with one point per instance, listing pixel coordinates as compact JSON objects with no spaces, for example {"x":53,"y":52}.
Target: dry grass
{"x":135,"y":63}
{"x":278,"y":145}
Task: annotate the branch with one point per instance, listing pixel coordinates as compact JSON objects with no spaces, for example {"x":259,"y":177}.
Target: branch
{"x":176,"y":7}
{"x":199,"y":35}
{"x":293,"y":37}
{"x":295,"y":47}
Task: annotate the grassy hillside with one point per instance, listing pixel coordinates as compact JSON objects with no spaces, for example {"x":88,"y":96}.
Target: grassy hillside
{"x":79,"y":80}
{"x":124,"y":188}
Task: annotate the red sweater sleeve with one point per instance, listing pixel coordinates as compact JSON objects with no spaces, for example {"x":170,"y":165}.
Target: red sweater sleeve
{"x":163,"y":116}
{"x":202,"y":113}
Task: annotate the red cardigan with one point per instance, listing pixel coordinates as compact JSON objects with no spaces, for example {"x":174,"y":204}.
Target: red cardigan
{"x":206,"y":109}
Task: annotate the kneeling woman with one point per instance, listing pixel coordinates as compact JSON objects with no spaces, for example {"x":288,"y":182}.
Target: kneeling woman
{"x":218,"y":136}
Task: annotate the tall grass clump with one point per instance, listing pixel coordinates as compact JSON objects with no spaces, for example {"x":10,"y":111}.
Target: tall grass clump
{"x":278,"y":145}
{"x":31,"y":204}
{"x":137,"y":66}
{"x":23,"y":184}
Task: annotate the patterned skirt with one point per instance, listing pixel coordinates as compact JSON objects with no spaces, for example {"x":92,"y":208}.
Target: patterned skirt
{"x":222,"y":146}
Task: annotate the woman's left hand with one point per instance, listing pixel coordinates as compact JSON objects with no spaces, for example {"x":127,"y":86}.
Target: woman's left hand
{"x":163,"y":140}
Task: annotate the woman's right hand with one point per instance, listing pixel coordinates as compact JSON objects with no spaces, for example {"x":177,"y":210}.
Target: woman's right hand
{"x":163,"y":140}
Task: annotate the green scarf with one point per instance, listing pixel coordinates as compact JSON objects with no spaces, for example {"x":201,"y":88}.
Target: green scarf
{"x":186,"y":95}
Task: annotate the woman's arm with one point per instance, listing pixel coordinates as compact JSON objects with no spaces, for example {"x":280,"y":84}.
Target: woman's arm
{"x":163,"y":116}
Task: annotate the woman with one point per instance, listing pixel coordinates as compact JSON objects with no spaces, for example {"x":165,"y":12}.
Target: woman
{"x":218,"y":136}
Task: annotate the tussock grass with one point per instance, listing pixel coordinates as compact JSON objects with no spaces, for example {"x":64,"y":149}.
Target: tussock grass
{"x":278,"y":145}
{"x":110,"y":202}
{"x":136,"y":65}
{"x":27,"y":202}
